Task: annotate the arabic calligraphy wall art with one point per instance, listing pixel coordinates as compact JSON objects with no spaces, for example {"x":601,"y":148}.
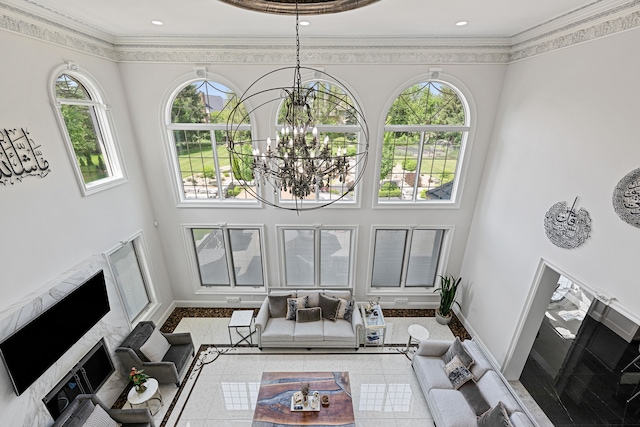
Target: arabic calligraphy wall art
{"x":565,"y":227}
{"x":626,"y":198}
{"x":20,"y":156}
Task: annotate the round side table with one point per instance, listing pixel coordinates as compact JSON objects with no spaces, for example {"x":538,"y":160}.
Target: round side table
{"x":416,"y":333}
{"x":135,"y":398}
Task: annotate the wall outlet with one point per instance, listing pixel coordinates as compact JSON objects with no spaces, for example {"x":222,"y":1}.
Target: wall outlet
{"x":233,"y":300}
{"x":401,"y":301}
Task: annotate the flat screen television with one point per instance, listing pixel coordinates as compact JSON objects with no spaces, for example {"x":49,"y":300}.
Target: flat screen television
{"x":32,"y":349}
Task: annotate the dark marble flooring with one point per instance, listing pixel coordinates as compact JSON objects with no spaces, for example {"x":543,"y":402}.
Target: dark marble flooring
{"x":587,"y":388}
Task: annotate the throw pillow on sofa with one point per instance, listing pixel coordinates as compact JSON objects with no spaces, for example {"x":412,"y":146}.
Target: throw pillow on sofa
{"x":278,"y":305}
{"x":329,"y":306}
{"x":474,"y":398}
{"x":311,"y":314}
{"x":459,"y":376}
{"x":496,"y":417}
{"x":345,"y":309}
{"x":457,"y":349}
{"x":293,"y":304}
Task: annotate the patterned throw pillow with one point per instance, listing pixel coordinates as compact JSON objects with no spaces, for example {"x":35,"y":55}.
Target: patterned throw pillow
{"x":293,"y":304}
{"x":345,"y":309}
{"x":453,"y":365}
{"x":459,"y":376}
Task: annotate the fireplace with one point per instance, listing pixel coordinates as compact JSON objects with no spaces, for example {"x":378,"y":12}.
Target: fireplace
{"x":87,"y":376}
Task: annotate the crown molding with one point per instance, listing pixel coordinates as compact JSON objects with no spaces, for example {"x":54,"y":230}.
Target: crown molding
{"x":598,"y":19}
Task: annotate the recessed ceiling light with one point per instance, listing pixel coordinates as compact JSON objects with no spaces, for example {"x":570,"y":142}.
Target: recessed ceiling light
{"x":461,"y":23}
{"x":155,"y":22}
{"x":304,"y":23}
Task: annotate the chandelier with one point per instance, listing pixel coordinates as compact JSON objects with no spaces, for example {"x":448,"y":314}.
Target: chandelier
{"x":302,"y":164}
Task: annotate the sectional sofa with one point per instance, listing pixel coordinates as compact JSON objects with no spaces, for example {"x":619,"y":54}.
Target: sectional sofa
{"x":462,"y":407}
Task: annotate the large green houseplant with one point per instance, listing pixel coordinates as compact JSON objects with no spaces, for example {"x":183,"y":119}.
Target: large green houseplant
{"x":448,"y":290}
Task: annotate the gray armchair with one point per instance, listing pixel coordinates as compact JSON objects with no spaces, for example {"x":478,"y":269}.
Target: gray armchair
{"x":173,"y":362}
{"x":83,"y":405}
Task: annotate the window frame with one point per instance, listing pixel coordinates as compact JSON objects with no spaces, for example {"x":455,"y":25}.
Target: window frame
{"x":106,"y":132}
{"x":233,"y":287}
{"x":317,"y":262}
{"x":140,"y":250}
{"x":200,"y":74}
{"x":443,"y":259}
{"x":467,"y":129}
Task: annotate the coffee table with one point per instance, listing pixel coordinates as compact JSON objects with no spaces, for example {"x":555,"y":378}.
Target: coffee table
{"x":273,"y":407}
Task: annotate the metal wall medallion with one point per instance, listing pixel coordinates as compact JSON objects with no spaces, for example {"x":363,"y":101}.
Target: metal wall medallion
{"x":566,"y":227}
{"x":626,"y":198}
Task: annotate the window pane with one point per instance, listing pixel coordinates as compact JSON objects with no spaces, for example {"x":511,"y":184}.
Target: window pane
{"x":197,"y":165}
{"x":335,"y":251}
{"x":388,"y":257}
{"x":129,"y":279}
{"x":299,"y":252}
{"x":212,"y":261}
{"x":247,"y":257}
{"x":427,"y":103}
{"x":439,"y":164}
{"x":423,"y":257}
{"x":82,"y":129}
{"x":69,"y":88}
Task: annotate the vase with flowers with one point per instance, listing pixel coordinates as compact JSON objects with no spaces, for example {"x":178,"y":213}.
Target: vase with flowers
{"x":139,"y":378}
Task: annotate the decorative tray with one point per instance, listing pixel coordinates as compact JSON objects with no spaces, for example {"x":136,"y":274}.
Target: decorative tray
{"x":313,"y":404}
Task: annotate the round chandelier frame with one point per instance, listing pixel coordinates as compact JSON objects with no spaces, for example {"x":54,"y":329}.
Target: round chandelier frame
{"x":295,"y":157}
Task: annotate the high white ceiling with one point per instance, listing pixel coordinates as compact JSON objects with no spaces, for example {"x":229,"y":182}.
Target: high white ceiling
{"x":121,"y":19}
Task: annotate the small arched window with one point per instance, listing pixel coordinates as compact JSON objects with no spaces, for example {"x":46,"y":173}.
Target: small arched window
{"x":424,"y":136}
{"x":87,"y":129}
{"x":199,"y":114}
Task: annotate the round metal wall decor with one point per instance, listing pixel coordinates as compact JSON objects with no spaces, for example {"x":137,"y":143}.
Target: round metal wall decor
{"x":565,"y":227}
{"x":626,"y":198}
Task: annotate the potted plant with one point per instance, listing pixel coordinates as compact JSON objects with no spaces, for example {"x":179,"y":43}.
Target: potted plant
{"x":448,"y":289}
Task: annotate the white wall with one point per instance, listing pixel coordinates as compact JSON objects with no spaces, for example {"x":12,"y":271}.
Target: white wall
{"x":47,"y":226}
{"x":375,"y":87}
{"x":566,"y":127}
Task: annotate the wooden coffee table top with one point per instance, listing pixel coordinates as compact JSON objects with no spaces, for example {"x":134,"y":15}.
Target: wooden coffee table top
{"x":274,"y":399}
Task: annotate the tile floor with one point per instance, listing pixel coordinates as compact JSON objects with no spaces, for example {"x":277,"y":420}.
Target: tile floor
{"x":384,"y":388}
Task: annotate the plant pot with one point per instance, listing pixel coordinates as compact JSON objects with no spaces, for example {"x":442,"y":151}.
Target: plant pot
{"x":141,"y":388}
{"x":443,"y":320}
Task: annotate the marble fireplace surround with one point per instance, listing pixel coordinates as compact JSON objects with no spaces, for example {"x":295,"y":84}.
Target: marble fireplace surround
{"x":28,"y":408}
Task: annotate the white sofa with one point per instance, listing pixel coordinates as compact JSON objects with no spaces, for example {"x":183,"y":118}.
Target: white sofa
{"x":448,"y":406}
{"x":280,"y":332}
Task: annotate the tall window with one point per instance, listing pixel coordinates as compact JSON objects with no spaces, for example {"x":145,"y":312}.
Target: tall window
{"x":128,"y":269}
{"x":87,"y":129}
{"x":406,"y":257}
{"x":337,"y":124}
{"x":424,"y":136}
{"x":198,"y":125}
{"x":229,"y":256}
{"x":318,"y":256}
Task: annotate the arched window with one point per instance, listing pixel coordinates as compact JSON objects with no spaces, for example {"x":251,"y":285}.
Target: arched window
{"x":87,"y":129}
{"x":197,"y":131}
{"x":424,"y":135}
{"x":338,"y":124}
